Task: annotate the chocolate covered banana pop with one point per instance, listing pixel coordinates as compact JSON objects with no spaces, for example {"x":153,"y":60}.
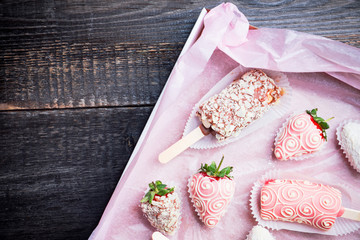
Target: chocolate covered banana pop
{"x":227,"y":113}
{"x":238,"y":105}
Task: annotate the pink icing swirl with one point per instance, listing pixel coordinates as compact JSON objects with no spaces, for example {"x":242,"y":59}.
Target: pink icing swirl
{"x":283,"y":135}
{"x":199,"y":205}
{"x":267,"y":196}
{"x":210,"y":197}
{"x":206,"y":188}
{"x":306,"y":210}
{"x":192,"y":183}
{"x":227,"y":189}
{"x":312,"y":140}
{"x":300,"y":136}
{"x":290,"y":193}
{"x":298,"y":124}
{"x":323,"y":222}
{"x":327,"y":201}
{"x":217,"y":205}
{"x":308,"y":185}
{"x":210,"y":220}
{"x":300,"y":201}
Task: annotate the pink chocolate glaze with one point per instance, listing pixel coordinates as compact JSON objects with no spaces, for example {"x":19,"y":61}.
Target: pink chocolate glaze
{"x":300,"y":201}
{"x":300,"y":136}
{"x":210,"y":197}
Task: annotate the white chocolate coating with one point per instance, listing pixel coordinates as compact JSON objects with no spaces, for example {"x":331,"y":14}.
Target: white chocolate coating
{"x":350,"y":142}
{"x":238,"y":105}
{"x":164,"y":213}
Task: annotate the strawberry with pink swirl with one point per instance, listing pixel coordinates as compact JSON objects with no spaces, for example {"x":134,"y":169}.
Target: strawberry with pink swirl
{"x":303,"y":134}
{"x":301,"y":201}
{"x":211,"y":191}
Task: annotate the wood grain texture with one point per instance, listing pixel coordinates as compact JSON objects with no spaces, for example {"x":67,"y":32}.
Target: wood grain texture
{"x":65,"y":54}
{"x":78,"y":80}
{"x":85,"y":75}
{"x":59,"y":168}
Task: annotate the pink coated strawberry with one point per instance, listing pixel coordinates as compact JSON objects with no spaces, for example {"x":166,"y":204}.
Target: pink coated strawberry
{"x":211,"y":191}
{"x":161,"y":207}
{"x":303,"y":134}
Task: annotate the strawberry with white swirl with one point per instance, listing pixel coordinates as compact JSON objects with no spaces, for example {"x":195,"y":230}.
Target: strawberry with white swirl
{"x":211,"y":191}
{"x":303,"y":134}
{"x":304,"y":202}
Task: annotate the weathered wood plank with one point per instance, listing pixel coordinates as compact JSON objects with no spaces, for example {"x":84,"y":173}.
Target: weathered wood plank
{"x":61,"y":54}
{"x":85,"y":75}
{"x":111,"y":21}
{"x":59,"y":168}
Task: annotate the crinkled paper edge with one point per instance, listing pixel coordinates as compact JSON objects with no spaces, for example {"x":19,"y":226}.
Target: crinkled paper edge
{"x":276,"y":111}
{"x":341,"y":227}
{"x":301,"y":157}
{"x":339,"y":139}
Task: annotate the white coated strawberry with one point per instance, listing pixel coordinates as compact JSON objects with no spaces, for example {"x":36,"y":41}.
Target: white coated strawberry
{"x":349,"y":139}
{"x":259,"y":233}
{"x":304,"y":134}
{"x":161,"y":207}
{"x":211,"y":191}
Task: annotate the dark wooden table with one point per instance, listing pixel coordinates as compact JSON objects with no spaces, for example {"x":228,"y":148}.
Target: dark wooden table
{"x":78,"y":81}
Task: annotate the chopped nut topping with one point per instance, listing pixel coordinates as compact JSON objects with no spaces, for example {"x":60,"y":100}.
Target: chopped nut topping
{"x":242,"y":102}
{"x":163,"y":213}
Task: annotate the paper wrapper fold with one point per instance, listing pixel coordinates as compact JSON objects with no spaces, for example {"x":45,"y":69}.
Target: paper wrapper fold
{"x":322,"y":73}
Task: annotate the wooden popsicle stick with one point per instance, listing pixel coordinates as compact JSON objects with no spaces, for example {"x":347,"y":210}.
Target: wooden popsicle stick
{"x":351,"y":214}
{"x":158,"y":236}
{"x":181,"y":145}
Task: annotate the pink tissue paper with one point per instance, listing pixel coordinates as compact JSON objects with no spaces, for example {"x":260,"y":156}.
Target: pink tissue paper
{"x":322,"y":73}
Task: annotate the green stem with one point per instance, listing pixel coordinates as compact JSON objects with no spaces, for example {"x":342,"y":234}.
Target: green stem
{"x":217,"y":170}
{"x":329,"y":119}
{"x":155,"y":186}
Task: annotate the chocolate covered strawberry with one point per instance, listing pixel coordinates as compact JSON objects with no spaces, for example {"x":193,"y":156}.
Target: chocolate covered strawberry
{"x":211,"y":191}
{"x":161,"y":206}
{"x":303,"y":134}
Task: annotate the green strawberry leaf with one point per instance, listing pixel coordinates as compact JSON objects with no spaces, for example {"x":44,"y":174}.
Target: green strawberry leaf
{"x":212,"y":167}
{"x":162,"y":192}
{"x":320,"y":121}
{"x":222,"y":173}
{"x":156,"y":188}
{"x":152,"y":195}
{"x":214,"y":171}
{"x":229,"y":170}
{"x":324,"y":134}
{"x":324,"y":125}
{"x":161,"y":186}
{"x":145,"y":199}
{"x":152,"y":186}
